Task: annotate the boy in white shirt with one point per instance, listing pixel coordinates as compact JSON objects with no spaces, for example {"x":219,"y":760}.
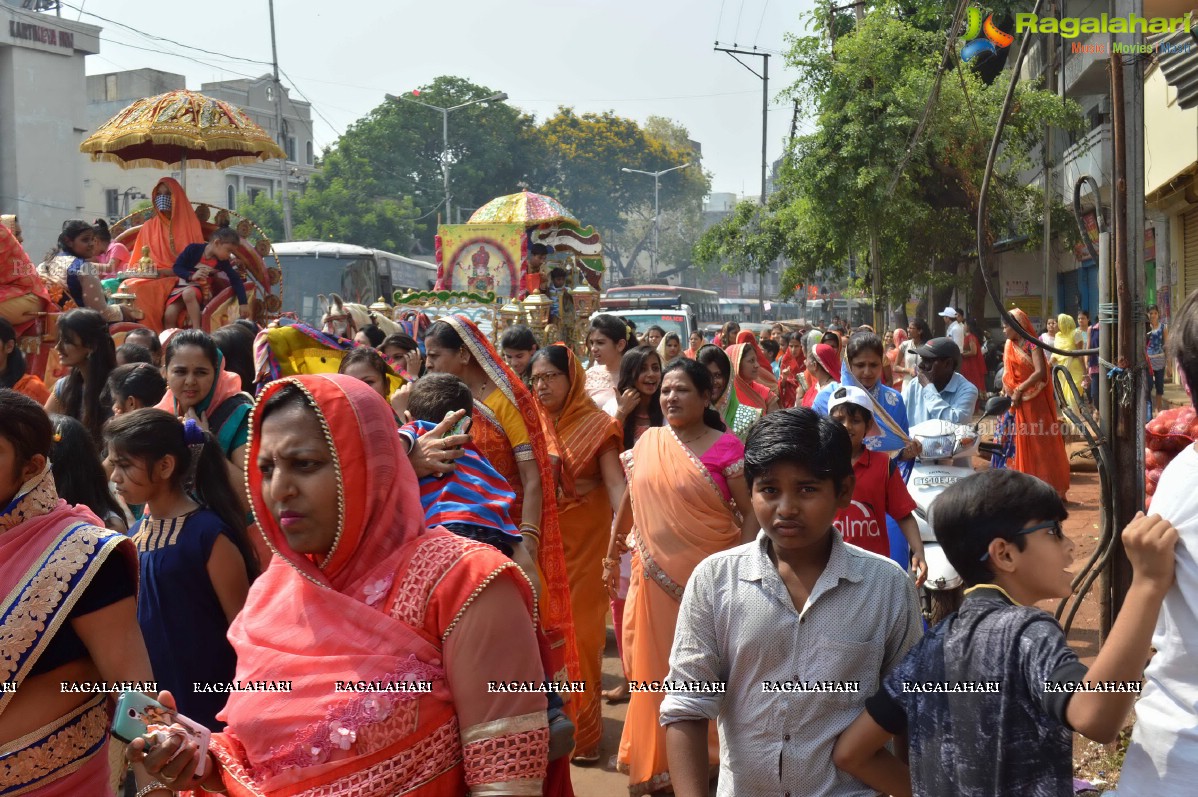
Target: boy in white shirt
{"x":1162,"y":759}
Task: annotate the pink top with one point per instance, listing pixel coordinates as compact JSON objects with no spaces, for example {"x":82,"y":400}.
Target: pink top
{"x":725,"y":459}
{"x":114,"y":259}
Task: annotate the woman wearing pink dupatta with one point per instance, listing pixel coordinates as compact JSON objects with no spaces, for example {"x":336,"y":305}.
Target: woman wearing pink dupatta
{"x":387,"y":633}
{"x":68,"y":615}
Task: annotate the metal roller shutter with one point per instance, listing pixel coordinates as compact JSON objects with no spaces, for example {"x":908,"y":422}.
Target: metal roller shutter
{"x":1189,"y":255}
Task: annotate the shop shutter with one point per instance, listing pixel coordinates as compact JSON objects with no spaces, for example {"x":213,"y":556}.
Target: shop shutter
{"x":1189,"y":255}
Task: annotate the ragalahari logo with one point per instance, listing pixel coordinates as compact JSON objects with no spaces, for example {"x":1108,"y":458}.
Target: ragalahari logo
{"x":982,"y":38}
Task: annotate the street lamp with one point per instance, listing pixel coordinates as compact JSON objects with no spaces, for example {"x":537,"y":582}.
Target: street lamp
{"x":656,"y":214}
{"x":500,"y":97}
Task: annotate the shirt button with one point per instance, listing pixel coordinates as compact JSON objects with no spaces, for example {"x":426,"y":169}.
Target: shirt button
{"x":786,"y":738}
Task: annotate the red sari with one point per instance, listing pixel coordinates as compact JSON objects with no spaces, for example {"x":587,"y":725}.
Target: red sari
{"x":391,"y":602}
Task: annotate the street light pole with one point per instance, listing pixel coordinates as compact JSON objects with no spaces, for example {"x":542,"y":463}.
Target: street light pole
{"x":500,"y":97}
{"x":656,"y":212}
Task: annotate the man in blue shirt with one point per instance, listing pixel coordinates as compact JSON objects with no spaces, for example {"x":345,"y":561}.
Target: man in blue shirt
{"x":940,"y":392}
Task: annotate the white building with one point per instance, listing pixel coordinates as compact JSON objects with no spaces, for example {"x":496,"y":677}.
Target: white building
{"x":42,"y":119}
{"x":111,"y":192}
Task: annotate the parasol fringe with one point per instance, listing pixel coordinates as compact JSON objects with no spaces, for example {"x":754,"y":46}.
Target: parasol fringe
{"x":99,"y":145}
{"x":155,"y":163}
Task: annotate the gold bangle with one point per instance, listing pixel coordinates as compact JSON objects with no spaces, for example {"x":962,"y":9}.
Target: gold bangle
{"x":610,"y":562}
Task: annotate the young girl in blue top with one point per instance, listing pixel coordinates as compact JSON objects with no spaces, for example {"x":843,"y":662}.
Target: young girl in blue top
{"x":195,"y":558}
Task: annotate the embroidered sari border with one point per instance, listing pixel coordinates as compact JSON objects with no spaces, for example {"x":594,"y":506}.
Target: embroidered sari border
{"x":54,"y":750}
{"x":518,"y":724}
{"x":83,"y":548}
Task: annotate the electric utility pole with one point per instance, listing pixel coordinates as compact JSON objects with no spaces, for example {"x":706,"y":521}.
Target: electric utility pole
{"x":283,"y":168}
{"x":764,"y":76}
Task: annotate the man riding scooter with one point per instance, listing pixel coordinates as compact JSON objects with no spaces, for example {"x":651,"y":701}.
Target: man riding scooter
{"x":940,"y":392}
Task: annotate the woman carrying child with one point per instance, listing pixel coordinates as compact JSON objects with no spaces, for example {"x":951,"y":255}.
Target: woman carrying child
{"x":507,"y":431}
{"x":196,"y":560}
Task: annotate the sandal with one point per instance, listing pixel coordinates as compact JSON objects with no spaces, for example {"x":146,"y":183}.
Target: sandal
{"x":618,"y":694}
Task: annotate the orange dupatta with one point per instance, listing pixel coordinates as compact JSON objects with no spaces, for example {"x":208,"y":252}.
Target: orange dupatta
{"x":492,"y":442}
{"x":583,"y":431}
{"x":765,"y":373}
{"x":1039,"y":447}
{"x":679,"y":519}
{"x":166,"y":239}
{"x":349,"y":617}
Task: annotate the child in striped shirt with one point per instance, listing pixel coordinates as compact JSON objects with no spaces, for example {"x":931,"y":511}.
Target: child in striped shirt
{"x":474,"y":500}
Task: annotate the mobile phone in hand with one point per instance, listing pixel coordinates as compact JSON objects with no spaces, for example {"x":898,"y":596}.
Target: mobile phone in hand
{"x":139,"y":715}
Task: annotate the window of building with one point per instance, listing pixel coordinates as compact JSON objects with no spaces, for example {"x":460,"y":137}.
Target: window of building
{"x":231,"y":193}
{"x":112,"y":203}
{"x":252,"y":193}
{"x":290,"y":148}
{"x":310,"y":153}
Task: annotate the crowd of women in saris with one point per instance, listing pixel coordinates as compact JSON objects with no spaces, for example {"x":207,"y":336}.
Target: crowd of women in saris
{"x":260,"y":553}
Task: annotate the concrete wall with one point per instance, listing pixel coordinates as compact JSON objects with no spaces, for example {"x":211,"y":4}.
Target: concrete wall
{"x":43,"y":120}
{"x":1170,"y":133}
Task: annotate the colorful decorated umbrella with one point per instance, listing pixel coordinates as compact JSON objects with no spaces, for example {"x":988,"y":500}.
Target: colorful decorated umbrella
{"x":524,"y":208}
{"x":181,"y":128}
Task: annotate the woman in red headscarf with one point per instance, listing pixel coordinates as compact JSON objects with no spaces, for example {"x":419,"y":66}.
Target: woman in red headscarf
{"x":360,"y":592}
{"x":1039,"y":447}
{"x":748,"y":398}
{"x":167,"y":233}
{"x":793,"y":367}
{"x":823,"y":362}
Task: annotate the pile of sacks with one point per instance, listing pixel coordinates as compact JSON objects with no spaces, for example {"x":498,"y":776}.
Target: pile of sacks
{"x":1165,"y":437}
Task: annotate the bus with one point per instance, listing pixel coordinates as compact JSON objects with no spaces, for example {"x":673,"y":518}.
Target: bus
{"x":705,"y":305}
{"x":740,"y":310}
{"x":356,"y":273}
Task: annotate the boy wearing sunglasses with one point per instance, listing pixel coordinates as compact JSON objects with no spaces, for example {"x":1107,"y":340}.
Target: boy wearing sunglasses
{"x":989,"y":699}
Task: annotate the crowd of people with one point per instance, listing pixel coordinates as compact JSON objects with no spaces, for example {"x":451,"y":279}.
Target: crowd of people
{"x":396,"y":578}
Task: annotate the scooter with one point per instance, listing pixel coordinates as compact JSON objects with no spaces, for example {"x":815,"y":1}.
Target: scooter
{"x":948,"y":451}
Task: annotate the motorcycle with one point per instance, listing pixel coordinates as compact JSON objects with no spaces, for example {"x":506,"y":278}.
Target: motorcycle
{"x":948,"y":451}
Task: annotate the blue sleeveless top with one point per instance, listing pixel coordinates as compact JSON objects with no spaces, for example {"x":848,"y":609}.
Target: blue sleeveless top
{"x":179,"y":613}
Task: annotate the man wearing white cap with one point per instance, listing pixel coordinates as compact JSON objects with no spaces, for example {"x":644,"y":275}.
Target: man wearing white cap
{"x":955,"y":329}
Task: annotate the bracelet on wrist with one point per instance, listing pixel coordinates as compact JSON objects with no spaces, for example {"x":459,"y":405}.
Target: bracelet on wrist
{"x":155,"y":786}
{"x":609,"y":562}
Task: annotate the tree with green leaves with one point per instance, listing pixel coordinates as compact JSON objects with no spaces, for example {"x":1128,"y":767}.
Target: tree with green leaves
{"x":381,"y":184}
{"x":582,"y":169}
{"x":841,"y":188}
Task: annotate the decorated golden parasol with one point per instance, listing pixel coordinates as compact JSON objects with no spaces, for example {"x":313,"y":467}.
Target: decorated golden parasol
{"x":181,"y":128}
{"x":524,"y":208}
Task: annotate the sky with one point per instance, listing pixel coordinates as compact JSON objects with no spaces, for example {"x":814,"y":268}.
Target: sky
{"x":634,"y":57}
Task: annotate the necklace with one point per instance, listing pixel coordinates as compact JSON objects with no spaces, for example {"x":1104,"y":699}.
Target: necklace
{"x":480,"y":388}
{"x":690,"y":440}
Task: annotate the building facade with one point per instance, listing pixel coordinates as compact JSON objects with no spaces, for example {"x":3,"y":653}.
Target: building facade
{"x":42,"y":119}
{"x":112,"y":192}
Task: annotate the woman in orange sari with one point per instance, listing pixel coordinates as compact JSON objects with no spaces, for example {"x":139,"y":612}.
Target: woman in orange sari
{"x":1039,"y":447}
{"x":590,"y":449}
{"x":167,"y":233}
{"x":686,"y":500}
{"x":23,"y":294}
{"x":506,"y":429}
{"x":386,"y":632}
